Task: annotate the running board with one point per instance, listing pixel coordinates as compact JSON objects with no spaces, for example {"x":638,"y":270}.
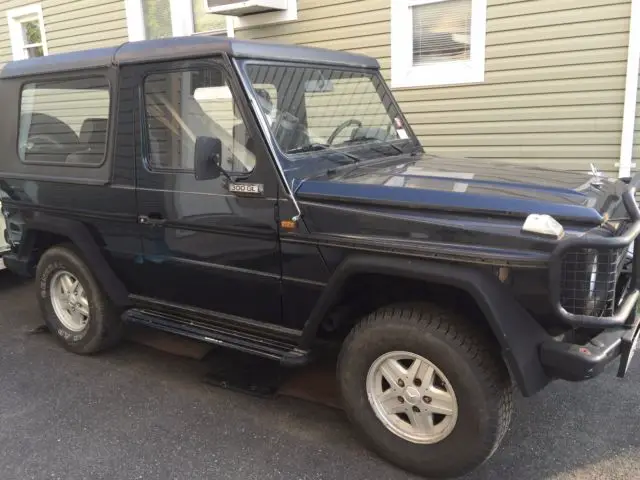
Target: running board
{"x":287,"y":353}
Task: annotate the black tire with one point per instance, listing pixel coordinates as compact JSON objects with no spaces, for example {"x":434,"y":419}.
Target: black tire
{"x":104,"y":327}
{"x":467,"y":357}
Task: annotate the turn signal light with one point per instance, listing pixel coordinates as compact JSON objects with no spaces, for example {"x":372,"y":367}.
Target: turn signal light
{"x":544,"y":225}
{"x":288,"y":224}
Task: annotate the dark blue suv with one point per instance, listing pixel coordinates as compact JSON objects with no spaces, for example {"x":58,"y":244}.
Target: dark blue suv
{"x":271,"y":199}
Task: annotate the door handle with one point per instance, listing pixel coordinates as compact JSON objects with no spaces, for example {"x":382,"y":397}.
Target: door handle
{"x":151,"y":219}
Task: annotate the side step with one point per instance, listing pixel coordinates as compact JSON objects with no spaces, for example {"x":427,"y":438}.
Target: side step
{"x":283,"y":351}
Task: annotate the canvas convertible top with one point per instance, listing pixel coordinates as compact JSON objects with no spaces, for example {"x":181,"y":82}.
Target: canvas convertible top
{"x":180,"y":47}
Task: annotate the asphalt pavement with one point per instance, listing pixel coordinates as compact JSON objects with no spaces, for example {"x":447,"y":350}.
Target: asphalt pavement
{"x":140,"y":413}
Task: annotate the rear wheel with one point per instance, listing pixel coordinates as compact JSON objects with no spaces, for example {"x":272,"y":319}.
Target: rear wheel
{"x":73,"y":305}
{"x":425,"y":390}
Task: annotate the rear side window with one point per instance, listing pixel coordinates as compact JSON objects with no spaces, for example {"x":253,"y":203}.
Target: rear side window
{"x":64,"y":122}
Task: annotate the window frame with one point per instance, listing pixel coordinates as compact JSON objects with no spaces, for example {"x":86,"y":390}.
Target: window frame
{"x":146,"y":140}
{"x":15,"y":18}
{"x":405,"y":75}
{"x":110,"y":117}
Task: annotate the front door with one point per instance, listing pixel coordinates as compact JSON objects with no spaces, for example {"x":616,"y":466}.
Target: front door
{"x":205,"y":246}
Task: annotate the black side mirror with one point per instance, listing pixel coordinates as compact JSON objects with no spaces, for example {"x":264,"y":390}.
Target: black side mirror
{"x":208,"y":157}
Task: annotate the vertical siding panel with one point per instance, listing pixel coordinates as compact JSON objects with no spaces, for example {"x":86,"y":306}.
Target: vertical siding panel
{"x":95,"y":22}
{"x":71,"y":24}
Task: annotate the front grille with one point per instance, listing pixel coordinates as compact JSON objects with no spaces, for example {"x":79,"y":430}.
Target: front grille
{"x":590,"y":280}
{"x":594,"y":278}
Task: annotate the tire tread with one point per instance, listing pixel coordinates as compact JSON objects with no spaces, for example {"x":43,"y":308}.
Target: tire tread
{"x":111,"y":324}
{"x":472,"y":342}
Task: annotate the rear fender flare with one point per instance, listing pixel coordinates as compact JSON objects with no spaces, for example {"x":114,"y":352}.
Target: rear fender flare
{"x":518,"y":334}
{"x":80,"y":236}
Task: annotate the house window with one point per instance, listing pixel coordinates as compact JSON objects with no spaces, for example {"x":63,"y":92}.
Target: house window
{"x":153,"y":19}
{"x":445,"y":43}
{"x":26,"y":30}
{"x":157,"y":19}
{"x":204,"y":22}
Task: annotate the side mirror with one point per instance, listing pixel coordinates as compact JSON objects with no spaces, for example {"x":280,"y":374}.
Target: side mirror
{"x":208,"y":157}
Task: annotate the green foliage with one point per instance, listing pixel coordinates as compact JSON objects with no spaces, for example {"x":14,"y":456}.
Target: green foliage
{"x":31,"y":31}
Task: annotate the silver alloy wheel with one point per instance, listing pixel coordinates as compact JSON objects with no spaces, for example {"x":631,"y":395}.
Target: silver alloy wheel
{"x":412,"y":397}
{"x":69,"y":300}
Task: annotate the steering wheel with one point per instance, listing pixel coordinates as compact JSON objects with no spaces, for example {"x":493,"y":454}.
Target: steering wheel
{"x":42,"y":140}
{"x":341,"y":127}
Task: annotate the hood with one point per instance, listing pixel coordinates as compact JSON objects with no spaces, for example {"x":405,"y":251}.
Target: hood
{"x":473,"y":185}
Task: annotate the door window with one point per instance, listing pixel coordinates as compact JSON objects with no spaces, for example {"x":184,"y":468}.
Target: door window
{"x":183,"y":105}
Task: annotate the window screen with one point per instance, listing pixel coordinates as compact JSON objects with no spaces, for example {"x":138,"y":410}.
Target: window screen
{"x":64,"y":122}
{"x":441,"y":31}
{"x":157,"y":18}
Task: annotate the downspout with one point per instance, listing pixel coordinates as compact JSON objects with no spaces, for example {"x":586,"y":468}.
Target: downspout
{"x":231,"y":31}
{"x":630,"y":93}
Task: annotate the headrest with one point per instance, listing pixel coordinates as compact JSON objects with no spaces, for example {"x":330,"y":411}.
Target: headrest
{"x":94,"y":131}
{"x":369,"y":132}
{"x":264,"y":99}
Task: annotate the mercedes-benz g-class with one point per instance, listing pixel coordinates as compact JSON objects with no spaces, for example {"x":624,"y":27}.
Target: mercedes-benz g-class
{"x":269,"y":198}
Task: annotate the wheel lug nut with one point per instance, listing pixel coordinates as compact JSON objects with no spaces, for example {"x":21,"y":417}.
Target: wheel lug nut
{"x":426,"y":399}
{"x":401,"y":399}
{"x":417,"y":382}
{"x":416,"y":409}
{"x":400,"y":383}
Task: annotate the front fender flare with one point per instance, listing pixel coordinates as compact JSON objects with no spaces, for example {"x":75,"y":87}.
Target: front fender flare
{"x":518,"y":334}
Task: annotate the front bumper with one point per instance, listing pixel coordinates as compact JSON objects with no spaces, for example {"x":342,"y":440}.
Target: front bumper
{"x":568,"y":361}
{"x":616,"y":328}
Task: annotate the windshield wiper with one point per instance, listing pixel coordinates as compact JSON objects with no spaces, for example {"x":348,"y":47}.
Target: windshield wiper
{"x":377,"y":142}
{"x":395,"y":147}
{"x":314,"y":147}
{"x":310,"y":147}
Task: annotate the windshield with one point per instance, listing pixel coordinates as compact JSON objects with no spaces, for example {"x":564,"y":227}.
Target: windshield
{"x":311,"y":109}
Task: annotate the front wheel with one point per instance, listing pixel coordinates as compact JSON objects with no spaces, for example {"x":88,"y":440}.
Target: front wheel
{"x":426,"y":391}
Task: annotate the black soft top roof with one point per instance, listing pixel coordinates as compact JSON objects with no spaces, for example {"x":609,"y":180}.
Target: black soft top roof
{"x":178,"y":48}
